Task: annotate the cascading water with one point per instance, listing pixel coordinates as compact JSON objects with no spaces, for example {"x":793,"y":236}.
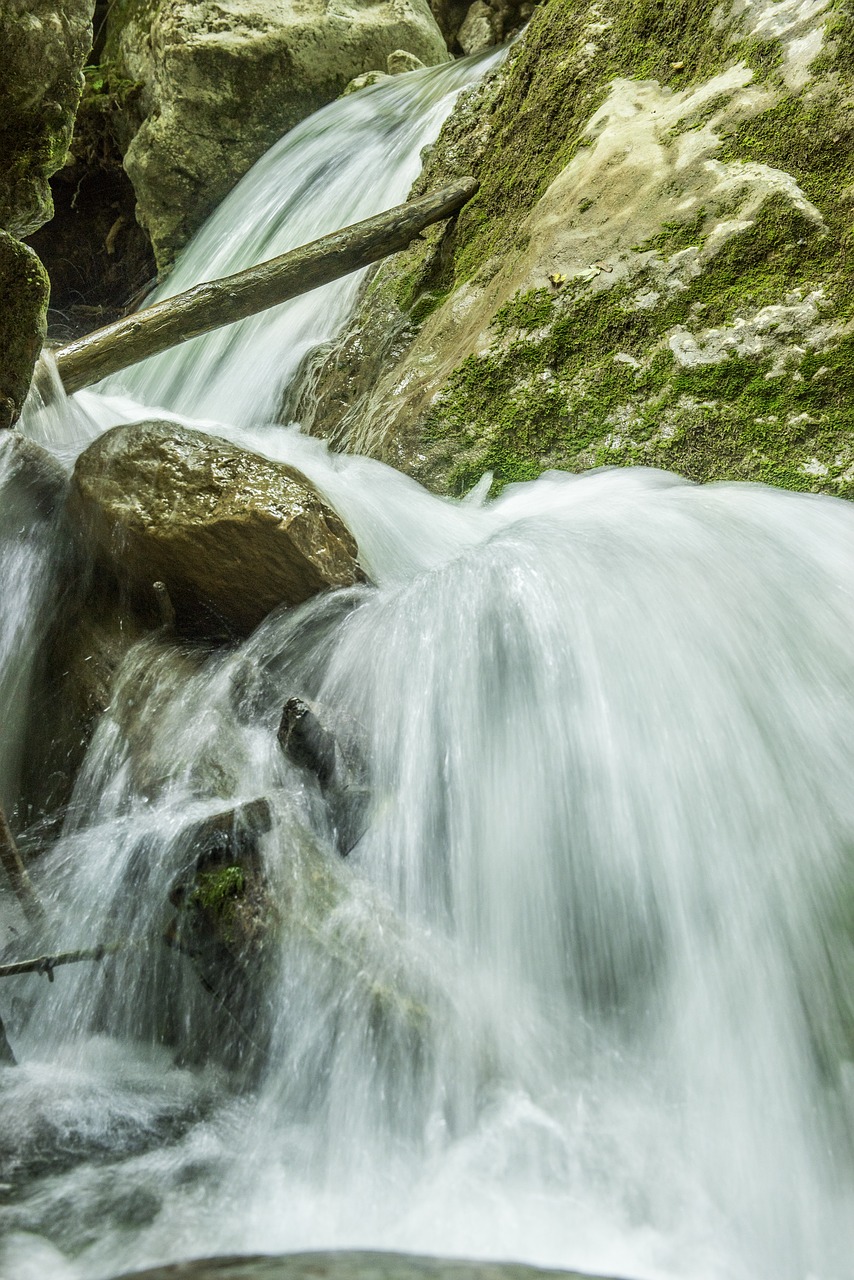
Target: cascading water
{"x":583,"y":991}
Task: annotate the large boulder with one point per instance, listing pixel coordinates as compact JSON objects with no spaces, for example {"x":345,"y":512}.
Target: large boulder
{"x":231,"y":534}
{"x":221,"y":82}
{"x":657,"y":268}
{"x":45,"y":43}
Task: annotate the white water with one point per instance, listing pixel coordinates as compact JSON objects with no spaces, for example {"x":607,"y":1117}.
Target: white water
{"x":584,"y":992}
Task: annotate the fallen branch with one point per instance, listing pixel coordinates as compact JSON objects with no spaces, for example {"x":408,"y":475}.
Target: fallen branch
{"x":220,"y":302}
{"x":47,"y":964}
{"x":13,"y":865}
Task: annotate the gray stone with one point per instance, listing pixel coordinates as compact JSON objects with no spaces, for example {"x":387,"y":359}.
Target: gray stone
{"x":479,"y":29}
{"x":220,"y":87}
{"x":231,"y":534}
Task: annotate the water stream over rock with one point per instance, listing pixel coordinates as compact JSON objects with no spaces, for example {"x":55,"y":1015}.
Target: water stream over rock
{"x":582,"y":993}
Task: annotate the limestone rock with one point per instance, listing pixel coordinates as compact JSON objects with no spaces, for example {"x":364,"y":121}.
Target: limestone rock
{"x":364,"y":81}
{"x":478,"y":30}
{"x":656,"y":269}
{"x":231,"y":534}
{"x":222,"y":82}
{"x":399,"y":62}
{"x":45,"y":43}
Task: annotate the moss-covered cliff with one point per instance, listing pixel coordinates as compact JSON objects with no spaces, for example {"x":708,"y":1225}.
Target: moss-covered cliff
{"x":45,"y":43}
{"x":657,"y":268}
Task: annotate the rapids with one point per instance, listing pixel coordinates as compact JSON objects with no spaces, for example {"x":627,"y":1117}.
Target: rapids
{"x":583,"y":993}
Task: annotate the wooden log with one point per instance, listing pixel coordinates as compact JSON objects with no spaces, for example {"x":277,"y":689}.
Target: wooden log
{"x":13,"y":865}
{"x":220,"y":302}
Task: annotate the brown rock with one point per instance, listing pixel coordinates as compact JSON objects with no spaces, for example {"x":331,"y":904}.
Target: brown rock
{"x":231,"y":534}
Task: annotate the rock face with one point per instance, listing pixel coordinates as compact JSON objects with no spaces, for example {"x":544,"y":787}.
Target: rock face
{"x":657,"y":268}
{"x":231,"y":534}
{"x":44,"y":43}
{"x":222,"y":81}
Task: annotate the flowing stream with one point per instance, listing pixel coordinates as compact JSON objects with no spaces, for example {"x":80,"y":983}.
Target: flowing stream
{"x":583,"y":992}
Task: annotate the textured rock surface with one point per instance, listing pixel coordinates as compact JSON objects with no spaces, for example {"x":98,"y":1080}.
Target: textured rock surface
{"x":222,"y":81}
{"x":45,"y":43}
{"x":657,"y":268}
{"x":230,"y":533}
{"x":24,"y":293}
{"x":469,"y":27}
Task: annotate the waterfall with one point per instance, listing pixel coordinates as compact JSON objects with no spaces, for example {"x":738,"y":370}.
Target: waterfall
{"x":583,"y":991}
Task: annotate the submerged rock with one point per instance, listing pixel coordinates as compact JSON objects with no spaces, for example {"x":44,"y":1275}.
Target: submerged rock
{"x":656,"y":269}
{"x":220,"y":86}
{"x":349,"y":1266}
{"x":231,"y":534}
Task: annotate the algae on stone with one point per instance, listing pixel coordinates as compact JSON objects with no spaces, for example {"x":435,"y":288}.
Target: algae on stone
{"x":222,"y":82}
{"x":24,"y":290}
{"x":656,"y":269}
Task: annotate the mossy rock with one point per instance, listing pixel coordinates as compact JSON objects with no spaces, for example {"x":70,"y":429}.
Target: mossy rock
{"x":656,"y":269}
{"x":44,"y":47}
{"x":25,"y":290}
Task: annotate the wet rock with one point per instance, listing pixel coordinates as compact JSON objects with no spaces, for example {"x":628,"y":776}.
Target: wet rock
{"x":24,"y":291}
{"x":45,"y":44}
{"x":312,"y":740}
{"x":349,"y":1266}
{"x":231,"y":534}
{"x":655,"y":270}
{"x":218,"y":90}
{"x":226,"y":919}
{"x":39,"y":482}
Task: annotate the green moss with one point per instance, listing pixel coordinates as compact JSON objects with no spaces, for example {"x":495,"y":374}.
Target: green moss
{"x":218,"y":890}
{"x":676,"y":235}
{"x":25,"y":290}
{"x":550,"y":392}
{"x":554,"y":84}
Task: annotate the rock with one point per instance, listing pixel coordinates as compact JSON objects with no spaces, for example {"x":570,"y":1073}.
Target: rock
{"x":226,"y":918}
{"x":362,"y":1265}
{"x":400,"y":61}
{"x":39,"y":481}
{"x":231,"y":534}
{"x":315,"y":740}
{"x":220,"y":86}
{"x":93,"y":630}
{"x":24,"y":290}
{"x":656,"y":269}
{"x":45,"y":43}
{"x":364,"y":81}
{"x":479,"y":29}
